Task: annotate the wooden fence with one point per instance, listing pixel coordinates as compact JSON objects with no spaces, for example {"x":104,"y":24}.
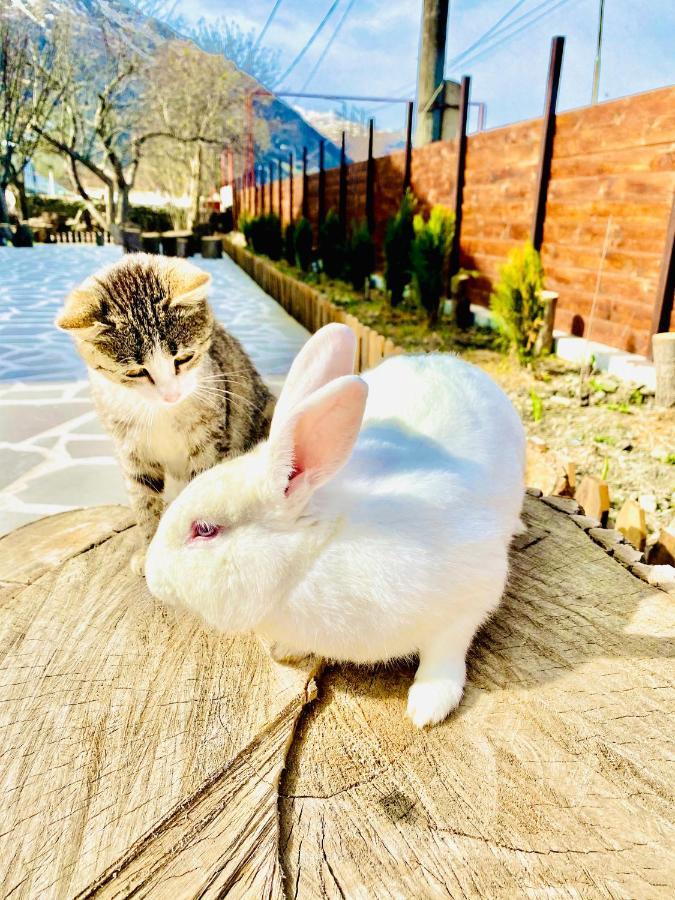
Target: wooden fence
{"x":309,"y":307}
{"x":612,"y":174}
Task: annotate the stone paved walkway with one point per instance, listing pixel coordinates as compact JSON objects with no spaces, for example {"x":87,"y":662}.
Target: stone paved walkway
{"x":54,"y":455}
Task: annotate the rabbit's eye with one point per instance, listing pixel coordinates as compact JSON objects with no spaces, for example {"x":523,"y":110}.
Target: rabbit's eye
{"x":204,"y":530}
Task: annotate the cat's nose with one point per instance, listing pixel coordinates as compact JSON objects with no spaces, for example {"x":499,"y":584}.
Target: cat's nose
{"x":170,"y":395}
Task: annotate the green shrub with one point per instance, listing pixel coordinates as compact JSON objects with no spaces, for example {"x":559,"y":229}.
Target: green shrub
{"x":360,"y":261}
{"x":303,"y":244}
{"x":398,"y":240}
{"x":273,"y":238}
{"x":150,"y":218}
{"x":331,"y":247}
{"x":289,"y":244}
{"x":245,"y":225}
{"x":516,"y":301}
{"x":429,"y":256}
{"x":263,"y":233}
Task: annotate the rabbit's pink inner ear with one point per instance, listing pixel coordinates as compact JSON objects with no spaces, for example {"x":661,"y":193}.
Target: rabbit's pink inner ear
{"x":324,"y":429}
{"x":327,"y":355}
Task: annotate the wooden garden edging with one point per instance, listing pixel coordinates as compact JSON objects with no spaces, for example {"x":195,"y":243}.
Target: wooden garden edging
{"x":309,"y":306}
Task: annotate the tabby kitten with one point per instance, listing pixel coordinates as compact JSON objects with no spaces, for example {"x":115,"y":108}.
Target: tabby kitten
{"x":176,"y":391}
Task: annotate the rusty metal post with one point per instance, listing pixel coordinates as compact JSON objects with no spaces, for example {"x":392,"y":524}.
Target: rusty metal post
{"x":407,"y":171}
{"x":370,"y":180}
{"x":290,"y":188}
{"x":305,"y":198}
{"x":322,"y":182}
{"x":663,"y":307}
{"x":459,"y":173}
{"x":547,"y":138}
{"x":342,"y":203}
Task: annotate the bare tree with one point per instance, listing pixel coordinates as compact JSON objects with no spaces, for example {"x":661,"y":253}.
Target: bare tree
{"x":239,"y":46}
{"x":96,"y":124}
{"x":29,"y":93}
{"x":196,"y":100}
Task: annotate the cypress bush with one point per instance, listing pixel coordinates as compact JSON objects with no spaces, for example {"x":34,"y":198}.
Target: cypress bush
{"x":516,"y":301}
{"x":429,"y":257}
{"x":398,"y":240}
{"x":303,"y":244}
{"x":360,"y":256}
{"x":331,"y":249}
{"x":289,"y":244}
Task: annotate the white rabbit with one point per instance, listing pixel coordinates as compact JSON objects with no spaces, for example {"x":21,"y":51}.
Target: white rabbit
{"x":359,"y":531}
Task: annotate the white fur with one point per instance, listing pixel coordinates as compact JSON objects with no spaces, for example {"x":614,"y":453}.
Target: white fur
{"x":402,"y":551}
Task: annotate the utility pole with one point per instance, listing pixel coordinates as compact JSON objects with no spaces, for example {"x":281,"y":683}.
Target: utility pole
{"x":598,"y":52}
{"x":430,"y":66}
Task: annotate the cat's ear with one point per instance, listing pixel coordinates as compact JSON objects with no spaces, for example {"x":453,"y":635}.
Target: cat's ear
{"x":80,"y":313}
{"x":190,"y":285}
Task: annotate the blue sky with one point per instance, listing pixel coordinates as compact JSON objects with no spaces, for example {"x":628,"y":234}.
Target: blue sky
{"x":376,"y":50}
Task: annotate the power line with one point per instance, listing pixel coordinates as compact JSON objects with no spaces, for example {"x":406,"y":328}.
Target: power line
{"x":508,"y":37}
{"x":310,"y":41}
{"x":505,"y":33}
{"x":329,"y":44}
{"x":491,"y":30}
{"x":267,"y":23}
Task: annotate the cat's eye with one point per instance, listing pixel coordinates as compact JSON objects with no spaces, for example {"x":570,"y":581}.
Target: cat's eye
{"x":204,"y":531}
{"x":142,"y":373}
{"x":183,"y":360}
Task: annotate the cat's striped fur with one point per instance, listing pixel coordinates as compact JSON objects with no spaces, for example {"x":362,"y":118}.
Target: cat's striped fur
{"x":176,"y":391}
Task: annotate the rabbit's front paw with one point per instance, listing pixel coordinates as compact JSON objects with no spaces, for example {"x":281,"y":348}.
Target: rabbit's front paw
{"x":137,"y":563}
{"x":282,"y":654}
{"x":429,"y":702}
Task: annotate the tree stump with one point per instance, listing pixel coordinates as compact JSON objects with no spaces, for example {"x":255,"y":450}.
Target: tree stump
{"x":150,"y":241}
{"x":212,"y":247}
{"x":663,"y":346}
{"x":146,"y":756}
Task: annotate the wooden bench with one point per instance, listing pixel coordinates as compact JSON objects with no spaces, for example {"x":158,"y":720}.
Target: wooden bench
{"x":144,"y":755}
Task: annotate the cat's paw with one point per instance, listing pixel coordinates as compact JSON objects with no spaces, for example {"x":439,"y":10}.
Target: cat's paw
{"x":137,"y":563}
{"x":429,"y":702}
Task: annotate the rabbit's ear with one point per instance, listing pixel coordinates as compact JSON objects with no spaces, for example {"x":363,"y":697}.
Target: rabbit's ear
{"x":317,"y":440}
{"x":327,"y":355}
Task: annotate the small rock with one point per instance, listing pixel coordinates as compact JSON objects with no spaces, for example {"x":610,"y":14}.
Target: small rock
{"x":533,"y":492}
{"x":559,"y":400}
{"x":627,"y":555}
{"x":564,"y":504}
{"x":659,"y":453}
{"x":585,"y":522}
{"x":627,"y":448}
{"x":647,"y":502}
{"x":641,"y":570}
{"x":606,"y":537}
{"x":662,"y":576}
{"x":597,"y":397}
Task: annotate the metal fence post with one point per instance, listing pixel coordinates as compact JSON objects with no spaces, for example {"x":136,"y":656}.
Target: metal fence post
{"x":370,"y":180}
{"x":322,"y":182}
{"x":290,"y":187}
{"x":548,"y":135}
{"x":663,"y":308}
{"x":343,"y":187}
{"x":459,"y":173}
{"x":408,"y":147}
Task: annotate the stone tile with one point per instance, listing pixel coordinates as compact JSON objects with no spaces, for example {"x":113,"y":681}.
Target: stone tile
{"x":92,"y":427}
{"x":15,"y":463}
{"x":77,"y":485}
{"x":23,"y":420}
{"x":11,"y":520}
{"x":84,"y":449}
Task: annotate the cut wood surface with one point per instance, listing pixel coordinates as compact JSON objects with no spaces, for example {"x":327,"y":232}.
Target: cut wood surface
{"x":141,"y":755}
